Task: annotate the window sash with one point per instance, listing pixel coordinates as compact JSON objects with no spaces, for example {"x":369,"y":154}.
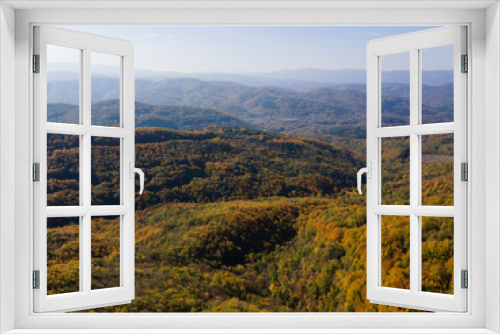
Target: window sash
{"x":413,"y":43}
{"x":85,"y":298}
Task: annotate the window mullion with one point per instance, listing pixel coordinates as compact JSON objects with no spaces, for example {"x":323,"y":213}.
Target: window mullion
{"x":81,"y":225}
{"x":85,"y":245}
{"x":415,"y":171}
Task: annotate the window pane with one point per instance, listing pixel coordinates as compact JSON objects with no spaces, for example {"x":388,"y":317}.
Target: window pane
{"x":396,"y":171}
{"x":437,"y":169}
{"x":437,"y":254}
{"x":105,"y":252}
{"x":395,"y":90}
{"x":396,"y":251}
{"x":63,"y":84}
{"x":63,"y":168}
{"x":105,"y":171}
{"x":63,"y":255}
{"x":105,"y":89}
{"x":437,"y":84}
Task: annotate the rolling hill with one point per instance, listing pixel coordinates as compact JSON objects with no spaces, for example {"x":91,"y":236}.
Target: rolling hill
{"x":235,"y":218}
{"x":248,"y":221}
{"x":212,"y":165}
{"x":106,"y":113}
{"x":273,"y":108}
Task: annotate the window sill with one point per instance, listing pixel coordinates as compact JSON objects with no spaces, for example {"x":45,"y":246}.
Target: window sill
{"x":252,"y":331}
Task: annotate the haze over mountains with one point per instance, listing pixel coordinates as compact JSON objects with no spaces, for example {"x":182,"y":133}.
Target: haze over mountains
{"x":299,"y":79}
{"x":106,"y":113}
{"x":265,"y":107}
{"x":314,"y":109}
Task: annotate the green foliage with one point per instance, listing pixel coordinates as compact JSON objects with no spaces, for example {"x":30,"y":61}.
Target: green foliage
{"x":243,"y":232}
{"x":105,"y":252}
{"x":63,"y":167}
{"x":395,"y":170}
{"x":237,"y":220}
{"x":396,"y":251}
{"x":347,"y":132}
{"x":218,"y":164}
{"x":63,"y":273}
{"x":105,"y":171}
{"x":322,"y":268}
{"x":437,"y":254}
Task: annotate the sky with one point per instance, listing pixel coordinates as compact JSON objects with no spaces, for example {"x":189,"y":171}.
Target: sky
{"x":252,"y":49}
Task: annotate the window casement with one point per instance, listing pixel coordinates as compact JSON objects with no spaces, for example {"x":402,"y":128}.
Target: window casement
{"x":410,"y":213}
{"x":83,"y":209}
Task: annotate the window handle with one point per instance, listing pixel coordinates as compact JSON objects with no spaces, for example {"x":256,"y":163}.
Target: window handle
{"x":133,"y":171}
{"x":368,"y":171}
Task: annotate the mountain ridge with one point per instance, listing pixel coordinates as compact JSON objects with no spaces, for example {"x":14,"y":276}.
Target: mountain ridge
{"x":297,"y":79}
{"x":271,"y":108}
{"x":106,"y":113}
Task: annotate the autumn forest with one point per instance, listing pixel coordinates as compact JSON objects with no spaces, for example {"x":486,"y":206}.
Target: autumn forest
{"x":246,"y":210}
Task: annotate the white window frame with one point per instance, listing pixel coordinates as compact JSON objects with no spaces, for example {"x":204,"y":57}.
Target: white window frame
{"x":85,"y":297}
{"x":484,"y":49}
{"x":413,"y":44}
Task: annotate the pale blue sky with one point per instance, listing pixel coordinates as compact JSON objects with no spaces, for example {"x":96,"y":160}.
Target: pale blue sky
{"x":226,"y":49}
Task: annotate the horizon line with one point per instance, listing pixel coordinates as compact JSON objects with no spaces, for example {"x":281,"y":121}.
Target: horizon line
{"x":248,"y":73}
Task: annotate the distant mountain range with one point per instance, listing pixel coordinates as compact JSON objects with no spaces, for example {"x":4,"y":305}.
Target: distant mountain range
{"x":194,"y":104}
{"x":106,"y":113}
{"x":300,"y":80}
{"x":303,"y":102}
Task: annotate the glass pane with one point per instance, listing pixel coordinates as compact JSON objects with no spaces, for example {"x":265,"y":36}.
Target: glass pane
{"x":105,"y":90}
{"x":395,"y":90}
{"x":105,"y":252}
{"x":396,"y":251}
{"x":437,"y":84}
{"x":105,"y":171}
{"x":437,"y":254}
{"x":63,"y":84}
{"x":396,"y":171}
{"x":437,"y":169}
{"x":63,"y":255}
{"x":63,"y":168}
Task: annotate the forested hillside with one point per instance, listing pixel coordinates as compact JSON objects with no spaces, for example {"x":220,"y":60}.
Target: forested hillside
{"x":249,"y":202}
{"x":246,"y":220}
{"x":273,"y":108}
{"x":212,"y":165}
